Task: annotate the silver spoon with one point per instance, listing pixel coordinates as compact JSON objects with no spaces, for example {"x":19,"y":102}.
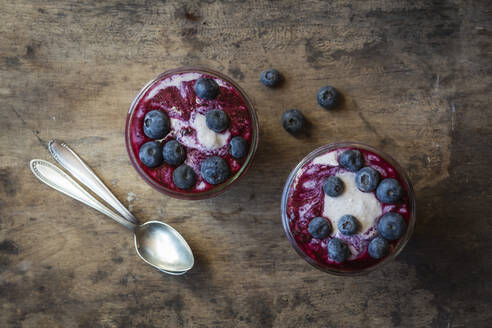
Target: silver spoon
{"x":157,"y":243}
{"x":70,"y":161}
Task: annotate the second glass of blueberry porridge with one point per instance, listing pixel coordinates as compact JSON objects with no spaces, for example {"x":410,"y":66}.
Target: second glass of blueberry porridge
{"x":347,"y":208}
{"x":191,"y":133}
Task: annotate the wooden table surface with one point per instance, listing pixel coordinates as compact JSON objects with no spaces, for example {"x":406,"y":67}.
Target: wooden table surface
{"x":416,"y":77}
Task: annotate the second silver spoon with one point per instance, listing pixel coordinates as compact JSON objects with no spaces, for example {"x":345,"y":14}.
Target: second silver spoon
{"x":157,"y":243}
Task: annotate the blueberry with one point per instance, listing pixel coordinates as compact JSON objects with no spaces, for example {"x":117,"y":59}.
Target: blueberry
{"x":367,"y":179}
{"x":348,"y":225}
{"x":215,"y":170}
{"x":351,"y":159}
{"x":217,"y":120}
{"x":293,"y":121}
{"x":338,"y":251}
{"x":238,"y":147}
{"x":378,"y":248}
{"x":206,"y":88}
{"x":328,"y":97}
{"x":392,"y":226}
{"x":319,"y":227}
{"x":184,"y":177}
{"x":150,"y":154}
{"x":270,"y":77}
{"x":156,"y":124}
{"x":389,"y":191}
{"x":333,"y":186}
{"x":173,"y":153}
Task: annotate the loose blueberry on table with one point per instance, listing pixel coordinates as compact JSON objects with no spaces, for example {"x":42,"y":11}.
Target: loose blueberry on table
{"x":293,"y":121}
{"x":191,"y":131}
{"x":270,"y":77}
{"x":348,"y":209}
{"x":328,"y":97}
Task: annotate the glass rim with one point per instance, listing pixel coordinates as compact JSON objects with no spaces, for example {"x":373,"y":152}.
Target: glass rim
{"x":401,"y":243}
{"x":217,"y":189}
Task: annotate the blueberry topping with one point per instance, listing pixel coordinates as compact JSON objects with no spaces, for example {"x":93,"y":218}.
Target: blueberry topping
{"x":333,"y":186}
{"x":367,"y":179}
{"x":156,"y":124}
{"x":150,"y":154}
{"x":238,"y":147}
{"x":338,"y":251}
{"x":319,"y":227}
{"x":217,"y":120}
{"x":293,"y":121}
{"x":328,"y":97}
{"x":173,"y":153}
{"x":270,"y":77}
{"x":392,"y":226}
{"x":184,"y":177}
{"x":378,"y":248}
{"x":348,"y":225}
{"x":215,"y":170}
{"x":206,"y":88}
{"x":389,"y":191}
{"x":351,"y":159}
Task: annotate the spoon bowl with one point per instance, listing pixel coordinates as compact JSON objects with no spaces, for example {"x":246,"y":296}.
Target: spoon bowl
{"x":161,"y":246}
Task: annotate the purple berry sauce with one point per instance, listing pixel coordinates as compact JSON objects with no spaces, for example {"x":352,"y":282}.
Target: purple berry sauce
{"x":306,"y":201}
{"x":174,"y":95}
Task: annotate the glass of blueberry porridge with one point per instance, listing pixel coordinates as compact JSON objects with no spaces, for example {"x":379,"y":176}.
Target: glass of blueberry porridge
{"x":191,"y":133}
{"x":348,"y":208}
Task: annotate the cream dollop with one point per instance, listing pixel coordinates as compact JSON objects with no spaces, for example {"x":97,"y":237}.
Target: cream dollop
{"x":363,"y":205}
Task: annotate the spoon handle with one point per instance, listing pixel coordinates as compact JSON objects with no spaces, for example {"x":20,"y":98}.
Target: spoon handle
{"x":59,"y":180}
{"x":69,"y":160}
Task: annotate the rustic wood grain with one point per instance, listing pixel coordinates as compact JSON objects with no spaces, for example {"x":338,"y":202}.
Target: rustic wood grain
{"x":416,"y":78}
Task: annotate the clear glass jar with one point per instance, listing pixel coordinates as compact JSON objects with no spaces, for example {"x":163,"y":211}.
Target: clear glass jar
{"x":333,"y":268}
{"x":216,"y":189}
